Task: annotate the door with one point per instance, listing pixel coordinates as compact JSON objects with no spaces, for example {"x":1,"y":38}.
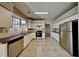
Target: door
{"x":47,"y":30}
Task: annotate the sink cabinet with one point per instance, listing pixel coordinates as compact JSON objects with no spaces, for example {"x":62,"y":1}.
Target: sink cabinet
{"x":15,"y":48}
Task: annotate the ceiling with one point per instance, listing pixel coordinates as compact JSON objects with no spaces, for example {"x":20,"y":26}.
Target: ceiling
{"x":21,"y":6}
{"x":54,"y":9}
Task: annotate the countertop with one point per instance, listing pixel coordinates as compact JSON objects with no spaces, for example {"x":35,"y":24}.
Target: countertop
{"x":10,"y":38}
{"x":55,"y":32}
{"x":13,"y":37}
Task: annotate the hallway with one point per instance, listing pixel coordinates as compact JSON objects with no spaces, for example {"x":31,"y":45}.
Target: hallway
{"x":44,"y":48}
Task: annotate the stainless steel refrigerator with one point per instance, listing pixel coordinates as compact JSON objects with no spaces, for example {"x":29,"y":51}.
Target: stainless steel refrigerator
{"x":69,"y":37}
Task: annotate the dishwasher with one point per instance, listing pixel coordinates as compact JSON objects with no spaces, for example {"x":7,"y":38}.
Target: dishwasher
{"x":15,"y":46}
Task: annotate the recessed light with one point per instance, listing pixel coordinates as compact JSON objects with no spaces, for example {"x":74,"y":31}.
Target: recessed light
{"x":41,"y":12}
{"x":28,"y":12}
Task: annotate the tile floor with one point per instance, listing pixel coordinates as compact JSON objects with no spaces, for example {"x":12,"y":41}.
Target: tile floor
{"x":44,"y":48}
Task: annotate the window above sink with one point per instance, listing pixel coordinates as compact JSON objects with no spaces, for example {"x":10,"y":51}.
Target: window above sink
{"x":18,"y":25}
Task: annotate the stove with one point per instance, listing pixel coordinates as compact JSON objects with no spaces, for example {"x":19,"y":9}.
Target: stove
{"x":39,"y":34}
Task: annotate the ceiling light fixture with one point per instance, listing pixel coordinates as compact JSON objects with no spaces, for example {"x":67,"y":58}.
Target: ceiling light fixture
{"x":41,"y":12}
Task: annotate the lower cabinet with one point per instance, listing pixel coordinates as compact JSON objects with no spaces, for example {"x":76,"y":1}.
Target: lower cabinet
{"x":28,"y":38}
{"x":3,"y":50}
{"x":55,"y":36}
{"x":43,"y":36}
{"x":15,"y":48}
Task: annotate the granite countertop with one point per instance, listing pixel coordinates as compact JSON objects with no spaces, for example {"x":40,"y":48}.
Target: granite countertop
{"x":55,"y":32}
{"x":10,"y":38}
{"x":13,"y":37}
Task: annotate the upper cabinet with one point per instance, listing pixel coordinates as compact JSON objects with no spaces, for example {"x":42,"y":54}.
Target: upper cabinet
{"x":7,"y":5}
{"x":5,"y":17}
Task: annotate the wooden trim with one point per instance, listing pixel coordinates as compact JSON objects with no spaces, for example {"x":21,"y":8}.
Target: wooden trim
{"x":19,"y":13}
{"x":35,"y":18}
{"x":6,"y":7}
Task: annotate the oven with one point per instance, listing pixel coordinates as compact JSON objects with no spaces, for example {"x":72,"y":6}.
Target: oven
{"x":39,"y":34}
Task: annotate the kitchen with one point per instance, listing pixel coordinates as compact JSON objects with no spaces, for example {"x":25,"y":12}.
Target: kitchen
{"x":12,"y":35}
{"x":17,"y":31}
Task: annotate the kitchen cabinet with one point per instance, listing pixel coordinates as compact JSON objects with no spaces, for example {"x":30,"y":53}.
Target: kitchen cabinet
{"x":5,"y":17}
{"x":55,"y":36}
{"x":15,"y":48}
{"x":11,"y":46}
{"x":3,"y":50}
{"x":28,"y":38}
{"x":43,"y":35}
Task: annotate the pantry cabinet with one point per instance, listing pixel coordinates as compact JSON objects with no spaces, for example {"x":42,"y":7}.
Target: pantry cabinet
{"x":5,"y":17}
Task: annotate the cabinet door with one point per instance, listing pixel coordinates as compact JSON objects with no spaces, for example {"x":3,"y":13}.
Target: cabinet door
{"x":25,"y":40}
{"x":15,"y":48}
{"x":3,"y":50}
{"x":43,"y":35}
{"x":28,"y":38}
{"x":32,"y":35}
{"x":5,"y":17}
{"x":55,"y":36}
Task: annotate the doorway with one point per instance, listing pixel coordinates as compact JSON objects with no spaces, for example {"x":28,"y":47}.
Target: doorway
{"x":47,"y":30}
